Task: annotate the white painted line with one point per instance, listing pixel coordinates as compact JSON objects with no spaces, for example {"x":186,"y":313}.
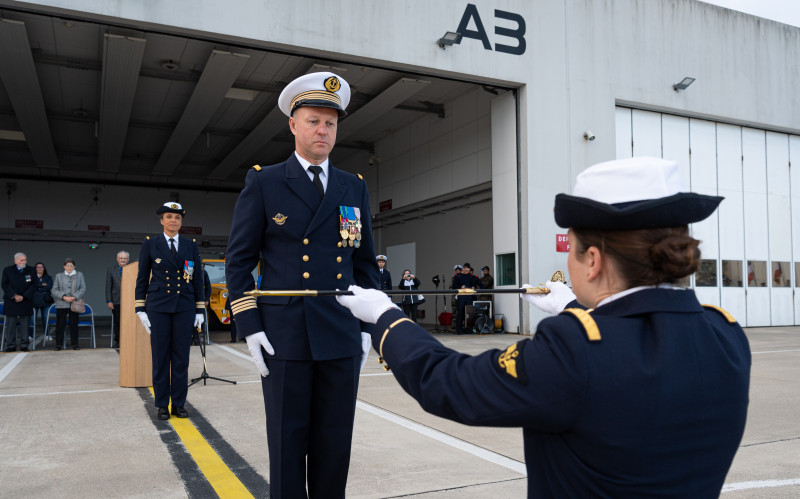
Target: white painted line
{"x":376,"y":374}
{"x":760,"y":484}
{"x":775,"y":351}
{"x":11,"y":365}
{"x":446,"y":439}
{"x":59,"y":393}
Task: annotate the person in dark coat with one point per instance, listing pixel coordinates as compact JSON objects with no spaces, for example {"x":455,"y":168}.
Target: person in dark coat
{"x":410,"y":301}
{"x":462,"y":280}
{"x":170,"y":305}
{"x":384,"y":277}
{"x":311,"y":224}
{"x":643,"y":394}
{"x":42,"y":299}
{"x":113,"y":287}
{"x":19,"y":286}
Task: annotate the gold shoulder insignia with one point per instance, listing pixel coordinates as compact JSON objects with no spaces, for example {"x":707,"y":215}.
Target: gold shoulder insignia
{"x":359,"y":176}
{"x":147,"y":237}
{"x":257,"y":168}
{"x":721,"y":311}
{"x":586,"y":320}
{"x":510,"y":363}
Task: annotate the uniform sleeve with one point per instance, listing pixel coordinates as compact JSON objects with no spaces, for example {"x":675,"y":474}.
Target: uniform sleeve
{"x":536,"y":383}
{"x":198,"y":281}
{"x":143,"y":277}
{"x":244,"y":246}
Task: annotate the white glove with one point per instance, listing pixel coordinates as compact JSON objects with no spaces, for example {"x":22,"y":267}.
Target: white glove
{"x":366,"y":343}
{"x":255,"y":342}
{"x":366,"y":304}
{"x":198,"y":321}
{"x":145,"y":321}
{"x":552,"y":302}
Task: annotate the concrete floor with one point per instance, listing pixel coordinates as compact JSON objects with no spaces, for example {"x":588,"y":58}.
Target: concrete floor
{"x":69,"y":430}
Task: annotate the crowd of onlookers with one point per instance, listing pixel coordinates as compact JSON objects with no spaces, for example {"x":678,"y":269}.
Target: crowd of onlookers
{"x":29,"y":292}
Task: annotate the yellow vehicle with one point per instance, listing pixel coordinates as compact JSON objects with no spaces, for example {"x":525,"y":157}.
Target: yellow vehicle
{"x":218,"y":314}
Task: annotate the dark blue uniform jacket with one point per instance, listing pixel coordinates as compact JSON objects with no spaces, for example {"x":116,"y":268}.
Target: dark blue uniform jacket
{"x":280,"y":217}
{"x":655,"y":406}
{"x":18,"y":282}
{"x":167,"y":291}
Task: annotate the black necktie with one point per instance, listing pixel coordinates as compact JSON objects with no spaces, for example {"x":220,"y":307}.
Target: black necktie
{"x":316,"y":170}
{"x":172,"y":247}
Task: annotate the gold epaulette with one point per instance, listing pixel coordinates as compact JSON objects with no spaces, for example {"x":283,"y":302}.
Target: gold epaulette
{"x":257,"y":168}
{"x":359,"y":176}
{"x":721,"y":311}
{"x":588,"y":323}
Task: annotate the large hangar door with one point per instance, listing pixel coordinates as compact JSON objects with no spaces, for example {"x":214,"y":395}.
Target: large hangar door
{"x":505,"y":207}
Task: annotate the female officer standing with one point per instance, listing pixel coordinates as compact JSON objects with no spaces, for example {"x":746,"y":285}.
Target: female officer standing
{"x":645,"y":394}
{"x":167,"y":304}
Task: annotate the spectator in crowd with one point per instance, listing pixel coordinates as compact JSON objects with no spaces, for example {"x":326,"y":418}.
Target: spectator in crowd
{"x":42,"y":299}
{"x":453,"y":299}
{"x":461,"y":281}
{"x":19,"y":286}
{"x":487,"y":282}
{"x":410,"y":301}
{"x":113,"y":279}
{"x":68,"y":286}
{"x":384,"y":277}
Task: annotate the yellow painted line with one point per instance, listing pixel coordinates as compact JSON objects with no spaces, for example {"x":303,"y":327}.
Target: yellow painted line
{"x":221,"y":478}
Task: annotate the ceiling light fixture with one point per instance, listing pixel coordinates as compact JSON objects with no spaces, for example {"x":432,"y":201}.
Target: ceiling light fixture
{"x":170,"y":65}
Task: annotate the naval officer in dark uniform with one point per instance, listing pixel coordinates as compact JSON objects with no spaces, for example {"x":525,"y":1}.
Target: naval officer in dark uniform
{"x":384,"y":277}
{"x":170,"y":304}
{"x":645,"y":394}
{"x":311,"y":225}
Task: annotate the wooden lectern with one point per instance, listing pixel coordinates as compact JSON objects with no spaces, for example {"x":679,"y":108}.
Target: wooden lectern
{"x":135,"y":359}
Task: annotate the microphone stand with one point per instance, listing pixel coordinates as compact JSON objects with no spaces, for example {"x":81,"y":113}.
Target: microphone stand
{"x":204,"y":375}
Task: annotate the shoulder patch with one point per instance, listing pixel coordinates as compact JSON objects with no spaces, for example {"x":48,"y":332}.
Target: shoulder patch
{"x":510,"y":363}
{"x":359,"y":176}
{"x":586,"y":320}
{"x":257,"y":168}
{"x":721,"y":311}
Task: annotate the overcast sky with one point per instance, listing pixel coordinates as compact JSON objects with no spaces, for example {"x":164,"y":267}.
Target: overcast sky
{"x":785,"y":11}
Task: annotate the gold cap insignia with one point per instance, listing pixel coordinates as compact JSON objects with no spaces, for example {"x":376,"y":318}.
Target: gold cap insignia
{"x":158,"y":260}
{"x":280,"y":218}
{"x":173,"y":206}
{"x":332,"y":84}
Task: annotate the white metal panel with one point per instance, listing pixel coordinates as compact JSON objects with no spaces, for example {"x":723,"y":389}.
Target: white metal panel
{"x":703,"y":180}
{"x":756,"y":240}
{"x":623,"y":137}
{"x":675,"y":144}
{"x":731,"y":229}
{"x":646,"y":127}
{"x":780,"y":225}
{"x":708,"y":296}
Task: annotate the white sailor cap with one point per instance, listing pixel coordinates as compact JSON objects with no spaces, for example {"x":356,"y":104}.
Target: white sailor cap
{"x":171,"y":207}
{"x":322,"y":89}
{"x":381,"y":257}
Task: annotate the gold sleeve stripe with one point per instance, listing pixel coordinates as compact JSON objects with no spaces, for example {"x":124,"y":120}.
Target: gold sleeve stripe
{"x":241,"y":308}
{"x":316,"y":95}
{"x":243,"y":299}
{"x":140,"y":302}
{"x":589,"y":325}
{"x":393,"y":324}
{"x":724,"y":313}
{"x":200,"y":304}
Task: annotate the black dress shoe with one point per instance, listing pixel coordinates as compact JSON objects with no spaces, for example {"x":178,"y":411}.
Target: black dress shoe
{"x":24,"y":349}
{"x":56,"y":348}
{"x":180,"y":412}
{"x":163,"y":413}
{"x":7,"y":350}
{"x":76,"y":347}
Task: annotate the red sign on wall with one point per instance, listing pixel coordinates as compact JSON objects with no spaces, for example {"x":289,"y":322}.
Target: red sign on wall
{"x":562,"y":243}
{"x":29,"y":224}
{"x":385,"y":205}
{"x":191,"y":230}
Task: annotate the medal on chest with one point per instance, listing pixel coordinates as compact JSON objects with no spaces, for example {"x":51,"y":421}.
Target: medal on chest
{"x":350,"y":226}
{"x":188,"y":270}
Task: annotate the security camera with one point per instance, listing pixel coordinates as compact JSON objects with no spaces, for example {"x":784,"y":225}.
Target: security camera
{"x":374,"y":159}
{"x":588,"y":135}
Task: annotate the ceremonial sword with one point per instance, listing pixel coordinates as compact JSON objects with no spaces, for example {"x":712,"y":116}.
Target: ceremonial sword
{"x":540,"y":290}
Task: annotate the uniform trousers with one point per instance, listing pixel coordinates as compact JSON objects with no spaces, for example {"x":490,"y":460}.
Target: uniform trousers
{"x":462,"y":302}
{"x":170,"y":343}
{"x":310,"y":407}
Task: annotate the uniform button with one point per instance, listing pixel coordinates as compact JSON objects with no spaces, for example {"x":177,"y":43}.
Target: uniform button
{"x":179,"y":285}
{"x":167,"y":291}
{"x":339,"y":259}
{"x":168,"y":278}
{"x":305,"y":258}
{"x":339,"y":244}
{"x":306,"y":275}
{"x":178,"y":292}
{"x":167,"y":285}
{"x":305,"y":241}
{"x":338,"y":276}
{"x":166,"y":271}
